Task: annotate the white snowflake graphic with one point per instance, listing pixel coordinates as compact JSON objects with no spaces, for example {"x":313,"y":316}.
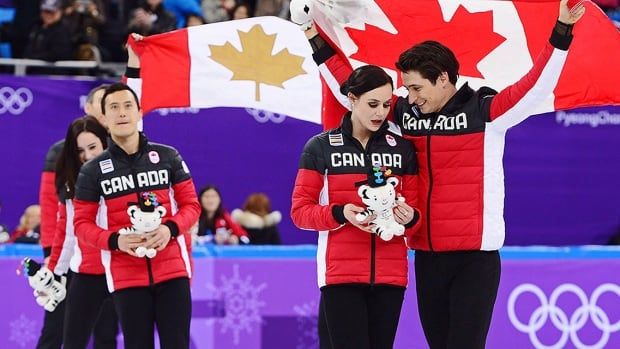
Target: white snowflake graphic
{"x":241,"y":301}
{"x":23,"y":331}
{"x":307,"y":323}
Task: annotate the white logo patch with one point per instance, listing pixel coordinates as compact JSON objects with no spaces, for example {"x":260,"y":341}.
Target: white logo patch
{"x":336,"y":140}
{"x":390,"y":140}
{"x":154,"y":157}
{"x":106,"y":166}
{"x":185,"y":168}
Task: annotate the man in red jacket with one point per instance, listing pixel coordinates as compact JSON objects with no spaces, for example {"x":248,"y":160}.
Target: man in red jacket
{"x":146,"y":291}
{"x":459,"y":135}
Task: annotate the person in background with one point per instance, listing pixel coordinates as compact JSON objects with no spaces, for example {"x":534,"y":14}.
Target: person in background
{"x":88,"y":307}
{"x":151,"y":18}
{"x":279,"y":8}
{"x":215,"y":224}
{"x":217,"y":10}
{"x":241,"y":11}
{"x":259,"y":220}
{"x":193,"y":20}
{"x":48,"y":199}
{"x":181,"y":9}
{"x":85,"y":18}
{"x":50,"y":40}
{"x":28,"y":229}
{"x":4,"y":234}
{"x":51,"y":333}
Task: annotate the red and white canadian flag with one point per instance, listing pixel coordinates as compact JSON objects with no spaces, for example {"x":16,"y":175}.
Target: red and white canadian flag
{"x":263,"y":63}
{"x":495,"y":41}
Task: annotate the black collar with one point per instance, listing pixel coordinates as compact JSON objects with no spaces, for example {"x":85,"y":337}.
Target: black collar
{"x":118,"y":151}
{"x":456,"y":102}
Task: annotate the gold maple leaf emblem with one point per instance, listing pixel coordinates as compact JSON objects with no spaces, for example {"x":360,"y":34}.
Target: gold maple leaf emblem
{"x":255,"y":62}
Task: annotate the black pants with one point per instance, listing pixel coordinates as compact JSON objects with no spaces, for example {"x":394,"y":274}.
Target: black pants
{"x":51,"y":333}
{"x":359,"y":316}
{"x":456,"y":294}
{"x":167,"y":304}
{"x":89,"y":309}
{"x":53,"y":323}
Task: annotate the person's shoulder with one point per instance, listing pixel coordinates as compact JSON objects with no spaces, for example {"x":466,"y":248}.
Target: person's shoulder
{"x":485,"y":92}
{"x":57,"y":146}
{"x":52,"y":155}
{"x":163,"y":149}
{"x":100,"y":164}
{"x":55,"y":149}
{"x":316,"y":141}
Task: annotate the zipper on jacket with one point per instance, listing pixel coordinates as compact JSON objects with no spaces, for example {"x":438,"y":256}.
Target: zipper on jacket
{"x":149,"y":267}
{"x":150,"y":270}
{"x":430,"y":189}
{"x":366,"y":152}
{"x":373,"y":242}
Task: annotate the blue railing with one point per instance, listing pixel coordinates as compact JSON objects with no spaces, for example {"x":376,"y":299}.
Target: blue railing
{"x":309,"y":252}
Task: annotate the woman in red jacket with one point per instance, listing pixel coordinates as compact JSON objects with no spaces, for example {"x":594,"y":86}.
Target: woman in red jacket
{"x":361,"y":276}
{"x":215,"y":223}
{"x":88,"y":305}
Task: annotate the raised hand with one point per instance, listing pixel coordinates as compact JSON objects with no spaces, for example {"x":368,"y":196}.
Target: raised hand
{"x":571,"y":14}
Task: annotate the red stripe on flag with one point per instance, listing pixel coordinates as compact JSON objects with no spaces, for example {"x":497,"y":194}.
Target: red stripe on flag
{"x":588,"y":75}
{"x":165,"y":69}
{"x":591,"y":71}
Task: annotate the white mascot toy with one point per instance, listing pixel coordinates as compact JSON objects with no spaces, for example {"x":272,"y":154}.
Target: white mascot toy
{"x":145,"y":217}
{"x":49,"y":289}
{"x":380,"y":199}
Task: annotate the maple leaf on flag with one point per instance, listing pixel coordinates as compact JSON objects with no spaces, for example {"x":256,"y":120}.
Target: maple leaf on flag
{"x":469,"y":35}
{"x":255,"y":62}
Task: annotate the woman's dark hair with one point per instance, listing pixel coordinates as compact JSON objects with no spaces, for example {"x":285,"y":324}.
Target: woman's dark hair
{"x":430,"y":59}
{"x":364,"y":79}
{"x":195,"y":15}
{"x":204,"y":222}
{"x":68,"y":163}
{"x":245,"y":4}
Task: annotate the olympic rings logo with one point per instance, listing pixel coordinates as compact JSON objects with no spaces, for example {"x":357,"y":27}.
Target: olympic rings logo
{"x":264,"y":116}
{"x":14,"y":101}
{"x":569,"y":326}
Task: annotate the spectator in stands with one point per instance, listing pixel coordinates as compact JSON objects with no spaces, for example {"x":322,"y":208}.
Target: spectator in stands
{"x":84,"y":18}
{"x":28,"y":229}
{"x":151,"y":18}
{"x":259,"y":220}
{"x":278,"y":8}
{"x":4,"y":234}
{"x":26,"y":16}
{"x":241,"y":10}
{"x":50,"y":40}
{"x":215,"y":224}
{"x":193,"y":20}
{"x":217,"y":10}
{"x":183,"y":8}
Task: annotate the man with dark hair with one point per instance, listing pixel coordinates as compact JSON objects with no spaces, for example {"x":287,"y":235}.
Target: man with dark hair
{"x":459,"y":138}
{"x":459,"y":135}
{"x":51,"y":333}
{"x":134,"y":171}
